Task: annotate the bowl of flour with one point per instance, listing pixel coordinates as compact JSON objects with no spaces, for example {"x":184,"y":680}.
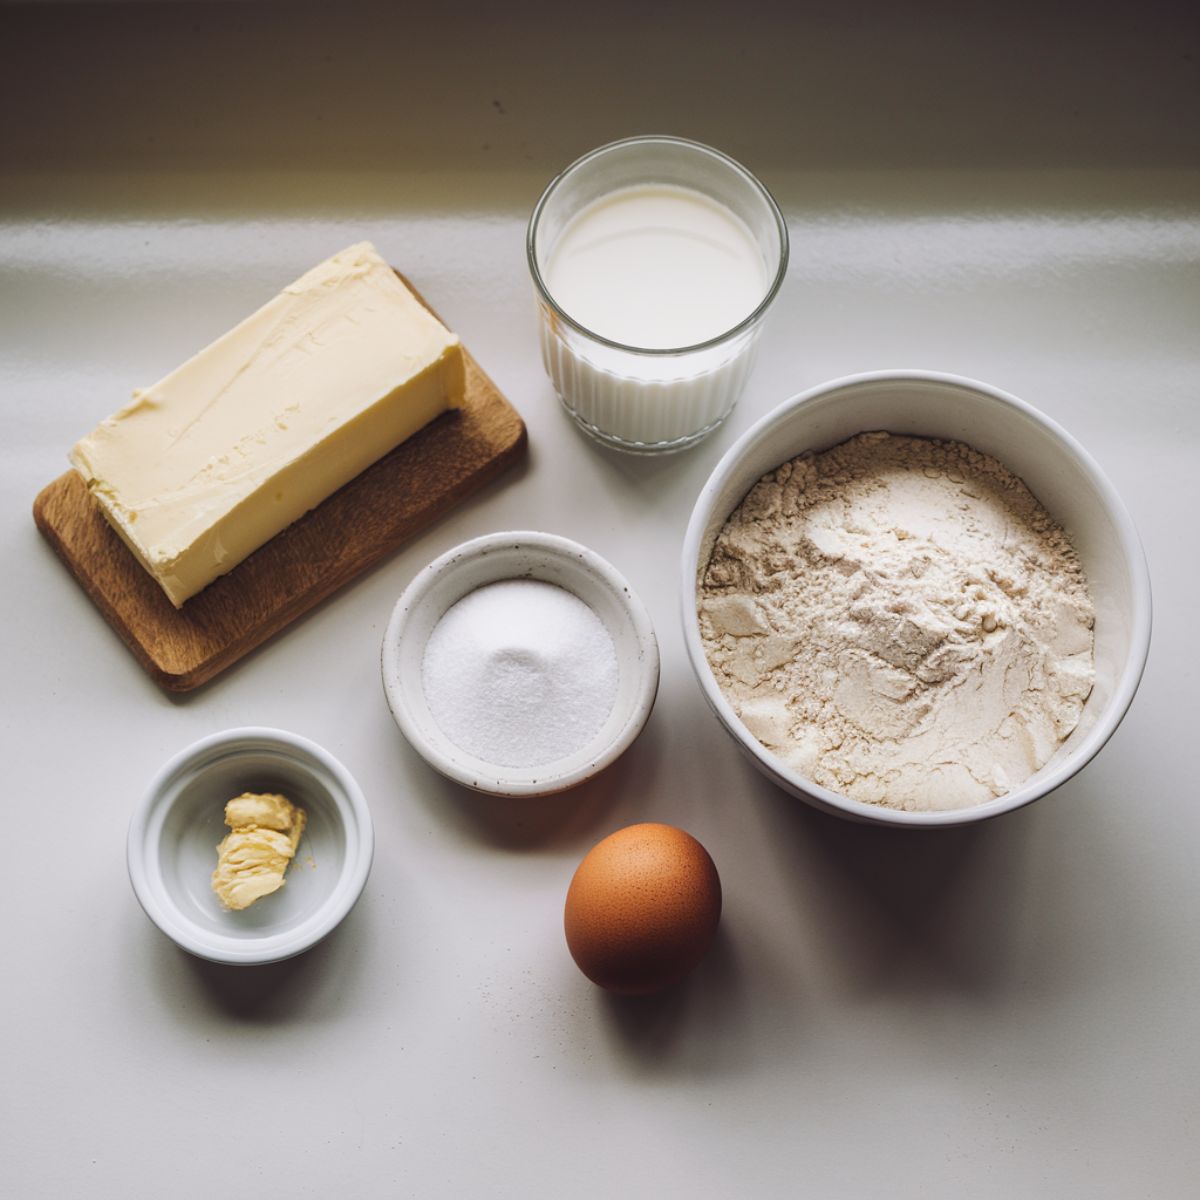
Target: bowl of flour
{"x":912,"y":599}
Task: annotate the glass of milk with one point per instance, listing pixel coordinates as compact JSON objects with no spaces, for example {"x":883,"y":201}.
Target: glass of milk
{"x":654,"y":260}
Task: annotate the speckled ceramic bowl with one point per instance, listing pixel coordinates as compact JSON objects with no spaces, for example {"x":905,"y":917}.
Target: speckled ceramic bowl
{"x":520,"y":555}
{"x":1056,"y":468}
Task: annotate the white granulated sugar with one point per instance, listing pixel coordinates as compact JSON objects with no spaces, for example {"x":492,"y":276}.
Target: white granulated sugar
{"x":901,"y":621}
{"x":520,"y":673}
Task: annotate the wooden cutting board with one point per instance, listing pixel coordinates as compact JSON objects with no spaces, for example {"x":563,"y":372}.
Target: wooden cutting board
{"x":367,"y":519}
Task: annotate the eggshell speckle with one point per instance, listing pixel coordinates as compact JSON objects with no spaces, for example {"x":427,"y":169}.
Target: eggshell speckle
{"x":642,"y":909}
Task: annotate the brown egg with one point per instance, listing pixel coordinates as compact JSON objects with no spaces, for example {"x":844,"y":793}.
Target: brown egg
{"x":642,"y":909}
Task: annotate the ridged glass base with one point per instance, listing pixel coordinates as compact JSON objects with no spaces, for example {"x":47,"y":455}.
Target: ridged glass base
{"x":644,"y":448}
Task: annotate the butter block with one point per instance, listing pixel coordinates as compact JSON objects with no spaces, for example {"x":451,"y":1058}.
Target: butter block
{"x":229,"y":449}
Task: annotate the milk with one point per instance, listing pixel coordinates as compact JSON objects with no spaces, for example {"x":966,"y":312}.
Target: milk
{"x":656,"y":267}
{"x":654,"y":260}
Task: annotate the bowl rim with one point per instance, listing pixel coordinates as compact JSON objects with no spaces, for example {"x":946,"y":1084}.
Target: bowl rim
{"x":350,"y":802}
{"x":536,"y":782}
{"x":831,"y":801}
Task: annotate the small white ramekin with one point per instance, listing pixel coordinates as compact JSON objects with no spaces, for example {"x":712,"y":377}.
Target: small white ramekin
{"x":175,"y":829}
{"x":520,"y":555}
{"x":1056,"y":468}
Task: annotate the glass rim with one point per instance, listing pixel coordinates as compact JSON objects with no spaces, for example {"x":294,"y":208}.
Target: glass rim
{"x":748,"y":176}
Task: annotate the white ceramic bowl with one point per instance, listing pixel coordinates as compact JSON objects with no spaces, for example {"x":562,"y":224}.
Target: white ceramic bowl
{"x":175,"y":830}
{"x":1055,"y":467}
{"x":520,"y":555}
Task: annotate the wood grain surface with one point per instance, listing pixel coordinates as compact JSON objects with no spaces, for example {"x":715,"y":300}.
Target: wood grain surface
{"x":367,"y":519}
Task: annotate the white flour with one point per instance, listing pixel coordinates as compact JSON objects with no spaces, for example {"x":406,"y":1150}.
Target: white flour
{"x":901,"y":621}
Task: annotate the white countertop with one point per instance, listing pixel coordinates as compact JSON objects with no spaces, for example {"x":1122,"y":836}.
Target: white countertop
{"x":1004,"y":1010}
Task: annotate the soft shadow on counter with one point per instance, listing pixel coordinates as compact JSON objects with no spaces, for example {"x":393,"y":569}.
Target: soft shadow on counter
{"x":913,"y":910}
{"x":548,"y":822}
{"x":690,"y":1029}
{"x":644,"y":483}
{"x":308,"y":987}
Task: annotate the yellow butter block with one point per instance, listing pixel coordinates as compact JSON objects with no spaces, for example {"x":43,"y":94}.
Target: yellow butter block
{"x":201,"y":469}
